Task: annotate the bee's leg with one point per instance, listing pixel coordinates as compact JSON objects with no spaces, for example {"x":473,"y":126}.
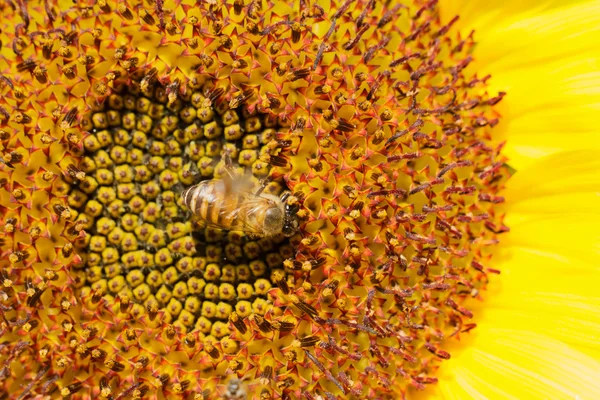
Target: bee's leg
{"x":253,"y":236}
{"x":189,"y":216}
{"x":290,"y":201}
{"x":178,"y":188}
{"x":195,"y":173}
{"x":284,"y":196}
{"x":265,"y":182}
{"x":197,"y":222}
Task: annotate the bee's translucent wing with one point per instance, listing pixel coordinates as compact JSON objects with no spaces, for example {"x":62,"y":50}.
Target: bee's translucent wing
{"x":234,"y":181}
{"x":241,"y":185}
{"x":247,"y":221}
{"x":237,"y":206}
{"x":244,"y":217}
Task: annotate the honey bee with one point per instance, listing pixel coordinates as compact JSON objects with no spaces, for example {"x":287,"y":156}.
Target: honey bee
{"x":230,"y":204}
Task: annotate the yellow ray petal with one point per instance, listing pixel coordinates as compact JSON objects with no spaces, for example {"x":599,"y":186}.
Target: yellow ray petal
{"x":547,"y":104}
{"x":472,"y":10}
{"x":566,"y":183}
{"x":549,"y":294}
{"x":558,"y":174}
{"x":538,"y":330}
{"x":542,"y":35}
{"x":574,"y":236}
{"x":545,"y":56}
{"x":520,"y":364}
{"x":523,"y":33}
{"x":549,"y":262}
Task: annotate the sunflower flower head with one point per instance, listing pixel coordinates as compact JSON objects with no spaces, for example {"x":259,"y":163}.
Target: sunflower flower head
{"x":364,"y":111}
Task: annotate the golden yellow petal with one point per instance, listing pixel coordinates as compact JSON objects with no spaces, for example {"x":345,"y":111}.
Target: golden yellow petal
{"x":545,"y":56}
{"x":565,"y":183}
{"x":510,"y":362}
{"x":539,"y":332}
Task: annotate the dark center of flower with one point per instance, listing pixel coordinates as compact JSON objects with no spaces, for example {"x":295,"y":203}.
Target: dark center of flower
{"x":143,"y":244}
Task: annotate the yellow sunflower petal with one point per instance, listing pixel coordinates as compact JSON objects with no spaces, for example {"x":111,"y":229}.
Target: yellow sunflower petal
{"x":515,"y":363}
{"x":547,"y":293}
{"x":567,"y":173}
{"x":556,"y":202}
{"x":545,"y":57}
{"x":554,"y":213}
{"x":539,"y":333}
{"x":520,"y":34}
{"x":475,"y":14}
{"x":545,"y":104}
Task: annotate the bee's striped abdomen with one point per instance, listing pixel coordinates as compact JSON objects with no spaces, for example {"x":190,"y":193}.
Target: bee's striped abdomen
{"x":209,"y":202}
{"x":230,"y":205}
{"x":191,"y":197}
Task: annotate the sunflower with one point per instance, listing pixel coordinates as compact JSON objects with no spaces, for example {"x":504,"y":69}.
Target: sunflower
{"x":400,"y":162}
